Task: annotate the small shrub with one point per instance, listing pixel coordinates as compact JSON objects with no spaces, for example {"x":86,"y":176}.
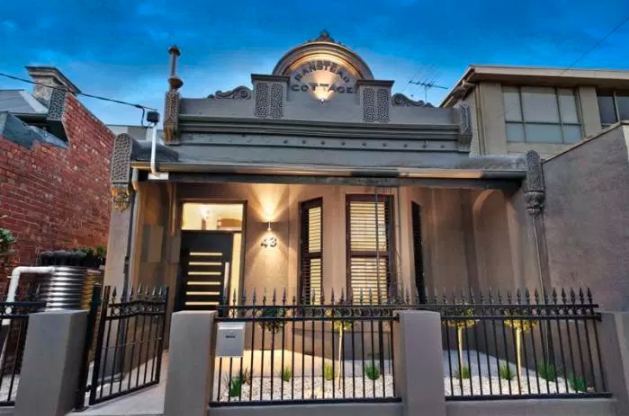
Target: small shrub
{"x":577,"y":383}
{"x":235,"y":385}
{"x":463,"y":374}
{"x":286,"y":374}
{"x":274,"y":325}
{"x":547,"y":371}
{"x":372,"y":372}
{"x":328,"y":372}
{"x":506,"y":372}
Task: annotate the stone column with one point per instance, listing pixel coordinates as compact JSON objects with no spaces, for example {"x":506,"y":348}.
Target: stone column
{"x":535,"y":196}
{"x":614,"y":344}
{"x":419,"y":363}
{"x":51,"y":363}
{"x":190,"y":364}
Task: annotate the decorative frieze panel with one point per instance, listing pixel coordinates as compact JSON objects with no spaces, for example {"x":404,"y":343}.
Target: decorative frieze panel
{"x":382,"y":100}
{"x":120,"y":174}
{"x":369,"y":105}
{"x":56,"y":105}
{"x":376,"y":103}
{"x":171,"y":117}
{"x":465,"y":126}
{"x":269,"y":100}
{"x":277,"y":101}
{"x":262,"y":100}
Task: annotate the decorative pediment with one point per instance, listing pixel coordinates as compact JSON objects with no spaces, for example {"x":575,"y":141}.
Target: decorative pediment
{"x":238,"y":93}
{"x":401,"y":100}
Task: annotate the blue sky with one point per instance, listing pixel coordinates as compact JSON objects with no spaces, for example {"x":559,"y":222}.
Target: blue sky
{"x":119,"y":48}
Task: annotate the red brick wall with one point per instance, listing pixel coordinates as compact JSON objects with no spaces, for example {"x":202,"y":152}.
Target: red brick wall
{"x":58,"y":198}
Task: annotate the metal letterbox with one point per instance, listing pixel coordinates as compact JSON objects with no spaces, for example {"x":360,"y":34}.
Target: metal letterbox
{"x":230,"y":339}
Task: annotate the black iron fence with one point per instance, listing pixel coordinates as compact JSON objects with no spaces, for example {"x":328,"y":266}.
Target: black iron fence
{"x":331,"y":350}
{"x":14,"y":326}
{"x":129,"y":343}
{"x":525,"y":345}
{"x":522,"y":345}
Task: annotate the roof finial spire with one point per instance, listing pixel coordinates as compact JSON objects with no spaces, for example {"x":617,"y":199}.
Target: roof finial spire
{"x":174,"y":81}
{"x":324,"y":36}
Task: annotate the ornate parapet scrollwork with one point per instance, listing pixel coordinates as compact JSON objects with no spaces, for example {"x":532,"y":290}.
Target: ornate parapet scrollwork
{"x":535,"y":193}
{"x":401,"y":100}
{"x":120,"y":174}
{"x":171,"y":117}
{"x":238,"y":93}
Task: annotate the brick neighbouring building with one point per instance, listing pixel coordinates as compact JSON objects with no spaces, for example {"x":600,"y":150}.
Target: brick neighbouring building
{"x":54,"y":168}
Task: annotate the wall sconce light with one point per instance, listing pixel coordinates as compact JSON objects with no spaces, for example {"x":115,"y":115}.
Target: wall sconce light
{"x":269,"y":225}
{"x":269,"y":242}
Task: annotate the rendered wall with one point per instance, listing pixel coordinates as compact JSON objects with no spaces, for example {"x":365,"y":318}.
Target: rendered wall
{"x":489,"y":123}
{"x":586,"y":217}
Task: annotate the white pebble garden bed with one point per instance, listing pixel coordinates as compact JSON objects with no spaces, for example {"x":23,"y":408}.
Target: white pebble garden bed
{"x":319,"y":389}
{"x":484,"y":380}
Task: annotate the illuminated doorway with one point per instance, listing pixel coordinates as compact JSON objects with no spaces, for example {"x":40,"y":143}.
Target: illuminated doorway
{"x":211,"y":254}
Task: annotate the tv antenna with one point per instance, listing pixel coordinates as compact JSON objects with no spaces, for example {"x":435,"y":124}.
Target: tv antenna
{"x":427,"y":85}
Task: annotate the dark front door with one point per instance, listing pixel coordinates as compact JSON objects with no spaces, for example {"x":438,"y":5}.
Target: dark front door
{"x":205,"y":264}
{"x":416,"y":215}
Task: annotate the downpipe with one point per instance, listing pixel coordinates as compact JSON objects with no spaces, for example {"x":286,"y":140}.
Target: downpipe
{"x":154,"y":149}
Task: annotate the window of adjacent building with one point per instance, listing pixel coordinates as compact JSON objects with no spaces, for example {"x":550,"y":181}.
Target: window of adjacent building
{"x":311,"y":251}
{"x":613,"y":106}
{"x":369,"y":247}
{"x":541,"y":115}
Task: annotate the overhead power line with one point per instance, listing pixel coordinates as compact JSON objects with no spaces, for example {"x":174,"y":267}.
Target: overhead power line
{"x":586,"y":53}
{"x":98,"y":97}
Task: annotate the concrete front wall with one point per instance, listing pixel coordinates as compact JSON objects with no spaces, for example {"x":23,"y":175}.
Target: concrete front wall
{"x":586,"y":217}
{"x":363,"y":409}
{"x":539,"y":407}
{"x":490,"y":130}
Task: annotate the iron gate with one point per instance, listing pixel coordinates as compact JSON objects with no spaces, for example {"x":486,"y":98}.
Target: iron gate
{"x":124,"y":343}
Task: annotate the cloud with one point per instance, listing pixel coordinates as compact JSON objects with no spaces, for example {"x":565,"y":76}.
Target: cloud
{"x":8,"y":26}
{"x":116,"y":49}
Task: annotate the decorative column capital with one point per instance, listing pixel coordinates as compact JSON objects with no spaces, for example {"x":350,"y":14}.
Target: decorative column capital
{"x":121,"y":197}
{"x":535,"y":190}
{"x":534,"y":202}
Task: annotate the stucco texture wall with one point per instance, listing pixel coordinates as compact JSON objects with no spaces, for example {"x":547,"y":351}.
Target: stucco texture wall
{"x":468,"y":236}
{"x":586,"y":217}
{"x":58,"y":198}
{"x":475,"y":239}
